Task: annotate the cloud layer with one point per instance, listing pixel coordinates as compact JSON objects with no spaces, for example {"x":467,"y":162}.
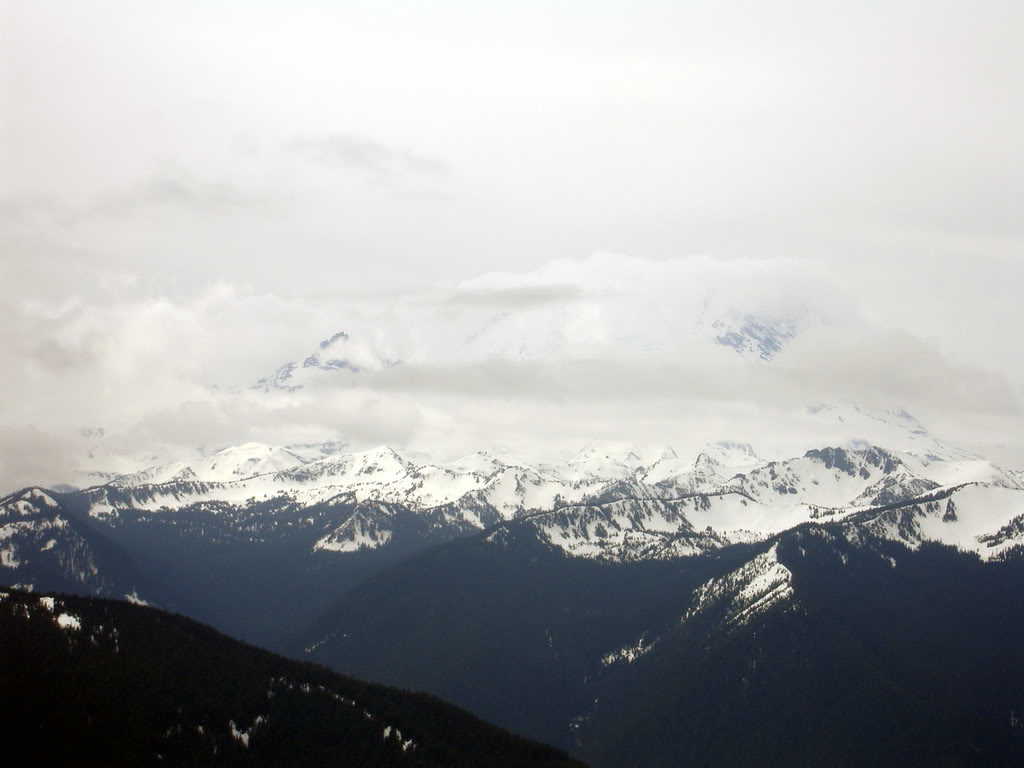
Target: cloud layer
{"x":535,"y":363}
{"x":191,"y":196}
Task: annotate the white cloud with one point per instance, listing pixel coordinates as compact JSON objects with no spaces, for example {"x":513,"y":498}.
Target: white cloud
{"x":206,"y":191}
{"x":539,"y":362}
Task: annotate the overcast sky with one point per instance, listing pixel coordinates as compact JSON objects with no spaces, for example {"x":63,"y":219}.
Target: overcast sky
{"x":193,"y":193}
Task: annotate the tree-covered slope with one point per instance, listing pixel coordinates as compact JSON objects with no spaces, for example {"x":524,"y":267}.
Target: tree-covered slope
{"x":811,"y":648}
{"x":504,"y":612}
{"x":87,"y":681}
{"x":874,"y":655}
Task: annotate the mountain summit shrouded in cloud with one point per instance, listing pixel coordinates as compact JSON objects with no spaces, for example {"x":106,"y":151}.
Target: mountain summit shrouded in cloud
{"x":611,"y":347}
{"x":430,"y":182}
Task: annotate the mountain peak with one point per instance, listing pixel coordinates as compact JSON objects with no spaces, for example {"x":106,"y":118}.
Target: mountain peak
{"x":755,"y":336}
{"x":337,"y":353}
{"x":626,"y":454}
{"x":340,"y":335}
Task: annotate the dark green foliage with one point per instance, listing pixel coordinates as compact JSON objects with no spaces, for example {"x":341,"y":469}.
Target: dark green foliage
{"x":250,"y":573}
{"x":474,"y":617}
{"x":917,"y":664}
{"x":135,"y":685}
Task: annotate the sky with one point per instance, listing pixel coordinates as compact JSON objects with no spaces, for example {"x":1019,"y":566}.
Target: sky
{"x":539,"y":208}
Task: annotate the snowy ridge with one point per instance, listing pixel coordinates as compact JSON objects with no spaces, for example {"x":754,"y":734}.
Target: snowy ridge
{"x":165,"y":473}
{"x":30,"y":528}
{"x":829,"y":477}
{"x":757,"y":586}
{"x":609,"y":501}
{"x":625,"y":529}
{"x":31,"y":501}
{"x":233,"y":463}
{"x":715,"y":464}
{"x":37,"y":537}
{"x":896,"y":429}
{"x":368,"y":527}
{"x":976,"y":517}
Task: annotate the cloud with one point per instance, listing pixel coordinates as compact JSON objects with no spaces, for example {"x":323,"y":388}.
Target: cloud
{"x":535,"y":362}
{"x":168,"y":222}
{"x":179,"y":190}
{"x":775,"y":287}
{"x":516,"y":297}
{"x":33,"y":212}
{"x":361,"y":155}
{"x":831,"y":365}
{"x":32,"y":456}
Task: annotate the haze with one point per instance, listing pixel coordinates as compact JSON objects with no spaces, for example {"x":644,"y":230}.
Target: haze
{"x":533,"y":206}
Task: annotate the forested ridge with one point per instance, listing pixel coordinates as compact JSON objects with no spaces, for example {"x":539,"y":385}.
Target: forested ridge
{"x":88,"y":681}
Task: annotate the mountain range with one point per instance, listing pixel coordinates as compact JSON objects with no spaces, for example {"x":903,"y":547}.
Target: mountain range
{"x":629,"y":604}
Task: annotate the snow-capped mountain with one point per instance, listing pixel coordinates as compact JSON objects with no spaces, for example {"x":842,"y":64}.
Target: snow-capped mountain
{"x":609,"y":501}
{"x":715,"y":464}
{"x":630,"y":554}
{"x":894,"y":428}
{"x":856,"y":601}
{"x":29,"y":516}
{"x":612,"y":502}
{"x":591,"y":330}
{"x":607,"y":308}
{"x":41,"y":541}
{"x":829,"y":477}
{"x":162,"y":464}
{"x":605,"y":461}
{"x":337,"y":355}
{"x":233,"y":463}
{"x":755,"y":337}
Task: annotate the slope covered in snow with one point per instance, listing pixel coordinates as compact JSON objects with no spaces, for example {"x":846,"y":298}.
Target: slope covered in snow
{"x":609,"y":501}
{"x":760,"y":584}
{"x":976,"y":517}
{"x":232,"y":463}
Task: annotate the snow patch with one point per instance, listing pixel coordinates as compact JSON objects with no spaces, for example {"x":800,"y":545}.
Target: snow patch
{"x":243,"y":736}
{"x":364,"y":529}
{"x":41,"y":496}
{"x":9,"y":557}
{"x":747,"y":592}
{"x":392,"y":732}
{"x":628,"y":653}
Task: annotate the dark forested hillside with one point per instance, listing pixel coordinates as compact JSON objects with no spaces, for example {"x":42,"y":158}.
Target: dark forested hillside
{"x":883,"y":657}
{"x":504,"y":612}
{"x":87,"y":681}
{"x":831,"y":642}
{"x":805,"y":650}
{"x":251,"y":572}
